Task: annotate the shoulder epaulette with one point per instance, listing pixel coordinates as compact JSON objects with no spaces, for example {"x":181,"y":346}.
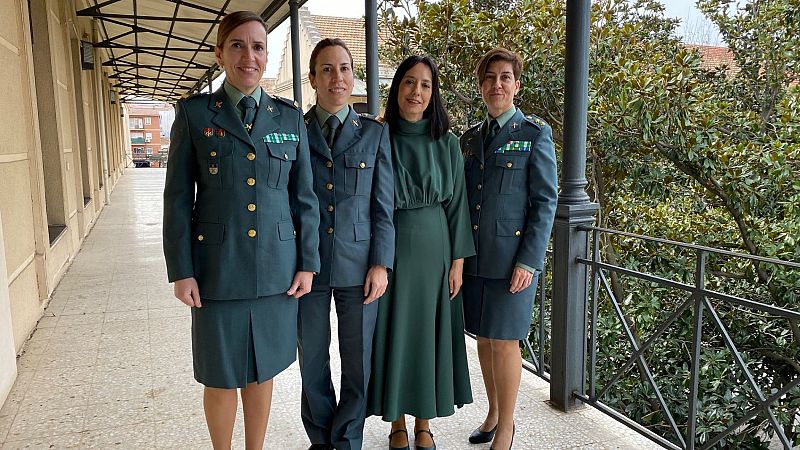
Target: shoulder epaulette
{"x":292,"y":103}
{"x":535,"y":120}
{"x":369,"y":116}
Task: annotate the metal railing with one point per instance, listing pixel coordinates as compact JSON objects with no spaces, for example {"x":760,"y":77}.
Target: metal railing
{"x":535,"y":360}
{"x":699,"y":302}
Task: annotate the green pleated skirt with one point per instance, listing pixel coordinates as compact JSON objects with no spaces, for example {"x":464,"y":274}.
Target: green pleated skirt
{"x":238,"y":342}
{"x":419,"y":359}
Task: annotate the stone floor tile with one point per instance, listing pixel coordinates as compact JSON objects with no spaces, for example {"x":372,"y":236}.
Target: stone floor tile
{"x":28,"y":361}
{"x":60,"y":442}
{"x":37,"y":423}
{"x":113,"y":390}
{"x":48,"y":320}
{"x":127,"y":327}
{"x":167,"y":366}
{"x":126,"y":437}
{"x":65,"y":376}
{"x":137,"y":314}
{"x":49,"y":395}
{"x":119,"y":413}
{"x":5,"y":425}
{"x":182,"y":433}
{"x":68,"y":359}
{"x":175,"y":311}
{"x":69,"y":320}
{"x":170,"y":405}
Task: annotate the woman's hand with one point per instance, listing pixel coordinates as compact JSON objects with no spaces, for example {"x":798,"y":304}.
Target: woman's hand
{"x":375,"y":283}
{"x":186,"y":290}
{"x":520,"y":280}
{"x":455,"y":278}
{"x":301,"y":285}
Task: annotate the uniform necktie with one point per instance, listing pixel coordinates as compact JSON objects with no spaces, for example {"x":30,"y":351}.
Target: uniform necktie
{"x":333,"y":125}
{"x":491,"y":132}
{"x":249,"y":104}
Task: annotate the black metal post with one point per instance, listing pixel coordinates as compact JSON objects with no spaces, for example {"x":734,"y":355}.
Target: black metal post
{"x":371,"y":30}
{"x":574,"y":210}
{"x":297,"y":74}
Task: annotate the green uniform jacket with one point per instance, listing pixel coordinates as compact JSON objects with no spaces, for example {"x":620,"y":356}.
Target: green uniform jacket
{"x":512,"y":188}
{"x":240,"y":214}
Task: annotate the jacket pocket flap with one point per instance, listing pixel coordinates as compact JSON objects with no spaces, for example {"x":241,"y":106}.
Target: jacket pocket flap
{"x":209,"y":233}
{"x":286,"y":230}
{"x":286,"y":152}
{"x":511,"y":161}
{"x":359,"y":160}
{"x":363,"y":230}
{"x":513,"y":227}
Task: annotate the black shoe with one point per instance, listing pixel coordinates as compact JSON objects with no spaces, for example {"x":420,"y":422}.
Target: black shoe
{"x":513,"y":432}
{"x":417,"y":447}
{"x":482,"y":437}
{"x":399,"y":430}
{"x":320,"y":447}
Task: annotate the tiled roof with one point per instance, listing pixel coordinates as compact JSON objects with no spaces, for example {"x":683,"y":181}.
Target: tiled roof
{"x":350,"y":30}
{"x":714,"y":57}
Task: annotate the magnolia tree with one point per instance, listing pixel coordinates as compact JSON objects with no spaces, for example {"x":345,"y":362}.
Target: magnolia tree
{"x":677,"y":151}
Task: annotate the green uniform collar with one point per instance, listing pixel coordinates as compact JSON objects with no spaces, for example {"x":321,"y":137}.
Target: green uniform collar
{"x":322,"y":115}
{"x":502,"y":119}
{"x":236,"y":95}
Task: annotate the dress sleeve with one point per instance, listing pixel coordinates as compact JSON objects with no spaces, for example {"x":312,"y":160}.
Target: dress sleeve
{"x":456,"y":208}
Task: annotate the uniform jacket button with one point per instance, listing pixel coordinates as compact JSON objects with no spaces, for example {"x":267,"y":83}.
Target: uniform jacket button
{"x":213,"y":153}
{"x":330,"y":208}
{"x":329,"y":186}
{"x":479,"y":187}
{"x":509,"y":164}
{"x":251,"y":181}
{"x":251,"y":156}
{"x":329,"y":230}
{"x":478,"y":207}
{"x":251,"y":233}
{"x":251,"y":207}
{"x":475,"y":227}
{"x":200,"y":237}
{"x":481,"y":167}
{"x":518,"y":233}
{"x":328,"y":164}
{"x":362,"y":164}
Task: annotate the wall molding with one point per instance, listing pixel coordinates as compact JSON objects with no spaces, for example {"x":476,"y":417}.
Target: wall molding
{"x":14,"y":275}
{"x":13,"y":157}
{"x":14,"y":49}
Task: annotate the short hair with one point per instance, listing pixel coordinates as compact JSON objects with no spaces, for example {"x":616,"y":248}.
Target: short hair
{"x":436,"y":112}
{"x":498,"y":54}
{"x":323,"y":44}
{"x":232,"y":21}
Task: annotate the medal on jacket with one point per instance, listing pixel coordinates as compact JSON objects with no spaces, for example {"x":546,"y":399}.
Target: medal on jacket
{"x":208,"y":132}
{"x":220,"y":132}
{"x":213,"y":168}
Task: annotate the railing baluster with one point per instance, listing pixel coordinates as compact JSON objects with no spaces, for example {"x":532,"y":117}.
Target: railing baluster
{"x":697,"y":339}
{"x":593,"y":326}
{"x":542,"y":277}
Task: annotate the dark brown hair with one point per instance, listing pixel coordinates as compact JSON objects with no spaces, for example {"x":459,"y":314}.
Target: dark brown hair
{"x":436,"y":112}
{"x":498,"y":54}
{"x":323,"y":44}
{"x":231,"y":21}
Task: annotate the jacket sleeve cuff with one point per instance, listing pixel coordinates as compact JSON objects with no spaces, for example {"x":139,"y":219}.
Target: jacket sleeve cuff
{"x":526,"y":267}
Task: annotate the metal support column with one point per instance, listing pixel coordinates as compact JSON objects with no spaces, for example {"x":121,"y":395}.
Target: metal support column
{"x":371,"y":30}
{"x":297,"y":74}
{"x":570,"y":284}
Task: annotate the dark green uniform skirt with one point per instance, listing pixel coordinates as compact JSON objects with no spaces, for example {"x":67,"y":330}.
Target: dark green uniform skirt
{"x":237,"y":342}
{"x":419,"y":360}
{"x":491,"y":311}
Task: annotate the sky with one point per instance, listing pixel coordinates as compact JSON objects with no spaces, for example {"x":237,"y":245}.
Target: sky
{"x":693,"y":23}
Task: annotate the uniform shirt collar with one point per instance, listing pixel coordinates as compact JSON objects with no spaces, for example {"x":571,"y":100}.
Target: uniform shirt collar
{"x":502,"y":119}
{"x":235,"y":95}
{"x":322,"y":115}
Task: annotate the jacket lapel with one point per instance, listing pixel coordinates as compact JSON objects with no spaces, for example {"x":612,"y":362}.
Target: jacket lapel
{"x":316,"y":141}
{"x":506,"y":133}
{"x":267,"y":117}
{"x":226,"y":116}
{"x":350,"y":134}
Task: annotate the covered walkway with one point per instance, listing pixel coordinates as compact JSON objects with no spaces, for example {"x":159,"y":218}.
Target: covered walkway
{"x":109,"y":364}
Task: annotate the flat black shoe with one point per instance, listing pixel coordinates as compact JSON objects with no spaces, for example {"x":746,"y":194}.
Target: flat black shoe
{"x":417,"y":447}
{"x":513,"y":432}
{"x":482,"y":437}
{"x":390,"y":439}
{"x":320,"y":447}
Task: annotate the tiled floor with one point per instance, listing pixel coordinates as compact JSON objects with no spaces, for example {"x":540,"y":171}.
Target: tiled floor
{"x":110,"y":363}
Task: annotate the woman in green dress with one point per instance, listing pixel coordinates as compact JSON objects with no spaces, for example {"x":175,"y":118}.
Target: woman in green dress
{"x":419,"y":362}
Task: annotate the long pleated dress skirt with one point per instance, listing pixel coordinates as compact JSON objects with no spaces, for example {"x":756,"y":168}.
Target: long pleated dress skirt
{"x":237,"y":342}
{"x":419,"y":360}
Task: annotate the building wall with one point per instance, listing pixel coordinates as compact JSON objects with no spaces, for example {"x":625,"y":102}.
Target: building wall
{"x":61,"y":153}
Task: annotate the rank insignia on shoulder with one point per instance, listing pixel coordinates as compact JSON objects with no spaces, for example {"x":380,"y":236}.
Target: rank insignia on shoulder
{"x":220,"y":132}
{"x":280,"y":138}
{"x":536,"y":120}
{"x":218,"y":104}
{"x":307,"y":121}
{"x":208,"y":132}
{"x":213,"y":169}
{"x":355,"y":123}
{"x":515,"y":146}
{"x":269,"y":108}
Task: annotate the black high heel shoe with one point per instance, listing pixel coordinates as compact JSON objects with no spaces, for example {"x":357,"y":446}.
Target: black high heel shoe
{"x":399,"y":430}
{"x":482,"y":437}
{"x":513,"y":432}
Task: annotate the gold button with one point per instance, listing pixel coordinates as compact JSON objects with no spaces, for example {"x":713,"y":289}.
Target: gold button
{"x":251,"y":156}
{"x":251,"y":181}
{"x":328,"y":164}
{"x":213,"y":153}
{"x":285,"y":156}
{"x":251,"y":207}
{"x":509,"y":164}
{"x":329,"y":230}
{"x":362,"y":164}
{"x":478,"y":207}
{"x":480,"y":186}
{"x":200,"y":237}
{"x":329,"y":186}
{"x":251,"y":233}
{"x":518,"y":233}
{"x":294,"y":232}
{"x":481,"y":166}
{"x":330,"y":208}
{"x":475,"y":227}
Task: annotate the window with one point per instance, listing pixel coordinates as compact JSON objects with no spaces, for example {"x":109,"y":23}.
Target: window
{"x":148,"y":137}
{"x":136,"y":123}
{"x":149,"y":151}
{"x":148,"y":120}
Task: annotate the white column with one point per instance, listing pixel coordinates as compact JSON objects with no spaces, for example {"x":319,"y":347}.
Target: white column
{"x":8,"y":356}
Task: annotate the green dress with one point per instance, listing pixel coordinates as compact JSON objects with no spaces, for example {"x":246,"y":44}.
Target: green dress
{"x":419,"y":361}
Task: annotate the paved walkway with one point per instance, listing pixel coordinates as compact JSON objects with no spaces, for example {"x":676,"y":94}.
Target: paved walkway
{"x":110,"y":363}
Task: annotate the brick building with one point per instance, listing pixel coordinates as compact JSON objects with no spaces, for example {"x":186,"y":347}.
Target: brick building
{"x":145,"y":123}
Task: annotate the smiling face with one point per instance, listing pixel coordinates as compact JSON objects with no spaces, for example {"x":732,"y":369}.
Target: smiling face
{"x":333,"y":79}
{"x":499,"y":87}
{"x":414,"y":94}
{"x":243,"y":55}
